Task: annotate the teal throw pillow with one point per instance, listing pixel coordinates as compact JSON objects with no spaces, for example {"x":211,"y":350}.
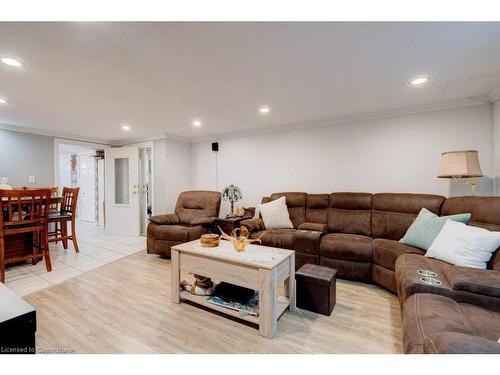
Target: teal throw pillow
{"x":427,"y":226}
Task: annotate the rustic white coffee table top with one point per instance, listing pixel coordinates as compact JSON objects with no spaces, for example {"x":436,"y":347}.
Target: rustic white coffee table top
{"x":254,"y":255}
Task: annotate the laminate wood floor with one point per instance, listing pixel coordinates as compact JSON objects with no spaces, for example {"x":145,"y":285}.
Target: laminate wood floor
{"x":124,"y":307}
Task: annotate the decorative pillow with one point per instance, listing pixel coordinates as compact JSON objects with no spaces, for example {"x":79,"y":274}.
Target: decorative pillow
{"x":427,"y":226}
{"x":275,"y":214}
{"x":464,"y":245}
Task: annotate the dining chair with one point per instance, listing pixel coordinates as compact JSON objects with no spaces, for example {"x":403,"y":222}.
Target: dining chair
{"x":66,"y":213}
{"x":24,"y":212}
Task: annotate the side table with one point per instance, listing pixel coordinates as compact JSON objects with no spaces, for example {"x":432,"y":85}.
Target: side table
{"x":230,"y":224}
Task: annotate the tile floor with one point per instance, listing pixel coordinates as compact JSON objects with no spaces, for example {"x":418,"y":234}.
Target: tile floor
{"x":97,"y":248}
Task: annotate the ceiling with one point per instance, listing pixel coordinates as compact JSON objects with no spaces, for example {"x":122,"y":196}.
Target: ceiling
{"x":86,"y":79}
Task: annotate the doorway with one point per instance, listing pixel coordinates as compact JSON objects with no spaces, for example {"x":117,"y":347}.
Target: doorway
{"x":145,"y":186}
{"x":79,"y":166}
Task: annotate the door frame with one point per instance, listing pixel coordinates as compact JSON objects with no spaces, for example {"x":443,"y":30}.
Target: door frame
{"x":59,"y":141}
{"x":80,"y":154}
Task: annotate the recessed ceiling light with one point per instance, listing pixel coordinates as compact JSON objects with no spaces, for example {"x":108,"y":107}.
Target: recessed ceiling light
{"x":264,"y":109}
{"x":196,"y":123}
{"x":12,"y":62}
{"x":126,"y":127}
{"x":3,"y":101}
{"x":420,"y":80}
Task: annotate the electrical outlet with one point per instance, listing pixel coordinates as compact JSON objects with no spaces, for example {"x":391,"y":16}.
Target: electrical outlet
{"x":31,"y":179}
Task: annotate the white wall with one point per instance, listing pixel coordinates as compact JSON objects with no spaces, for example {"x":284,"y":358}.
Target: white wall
{"x":23,"y":155}
{"x":397,"y":154}
{"x":496,"y":145}
{"x":172,"y":173}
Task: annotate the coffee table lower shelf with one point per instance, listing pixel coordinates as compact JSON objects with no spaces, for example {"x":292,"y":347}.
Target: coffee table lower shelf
{"x":282,"y":305}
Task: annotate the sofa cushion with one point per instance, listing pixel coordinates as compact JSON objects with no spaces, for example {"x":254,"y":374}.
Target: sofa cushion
{"x":393,"y":213}
{"x":427,"y":226}
{"x":178,"y":233}
{"x":317,"y":208}
{"x":464,"y":245}
{"x":282,"y":238}
{"x":485,"y":214}
{"x":275,"y":214}
{"x":296,"y":203}
{"x":197,"y":204}
{"x":350,"y":213}
{"x":425,"y":317}
{"x":386,"y":252}
{"x":346,"y":246}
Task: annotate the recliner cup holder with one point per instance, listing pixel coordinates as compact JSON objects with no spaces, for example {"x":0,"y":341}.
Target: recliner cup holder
{"x":430,"y":281}
{"x":427,"y":273}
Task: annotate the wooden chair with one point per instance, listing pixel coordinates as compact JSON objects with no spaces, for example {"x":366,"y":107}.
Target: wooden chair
{"x":24,"y":212}
{"x":67,"y":212}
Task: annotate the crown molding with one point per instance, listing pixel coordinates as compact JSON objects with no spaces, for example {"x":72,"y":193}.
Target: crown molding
{"x":492,"y":97}
{"x":60,"y":135}
{"x":131,"y":141}
{"x":346,"y":120}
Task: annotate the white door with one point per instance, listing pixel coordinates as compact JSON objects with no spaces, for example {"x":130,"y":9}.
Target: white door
{"x":122,"y":190}
{"x":86,"y":179}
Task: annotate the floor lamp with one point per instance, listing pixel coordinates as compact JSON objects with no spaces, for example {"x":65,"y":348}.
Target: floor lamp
{"x":462,"y":166}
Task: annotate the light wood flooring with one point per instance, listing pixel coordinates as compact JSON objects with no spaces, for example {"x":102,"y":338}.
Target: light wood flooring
{"x":125,"y":307}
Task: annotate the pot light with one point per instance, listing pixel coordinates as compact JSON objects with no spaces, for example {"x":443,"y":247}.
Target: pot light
{"x":264,"y":109}
{"x":12,"y":62}
{"x":126,"y":128}
{"x":420,"y":80}
{"x":3,"y":101}
{"x":196,"y":123}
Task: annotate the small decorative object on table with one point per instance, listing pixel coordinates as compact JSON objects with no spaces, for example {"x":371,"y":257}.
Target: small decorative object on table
{"x":232,"y":194}
{"x":239,"y":238}
{"x":209,"y":240}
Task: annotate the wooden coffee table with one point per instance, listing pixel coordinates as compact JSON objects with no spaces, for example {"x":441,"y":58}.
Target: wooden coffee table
{"x":260,"y":268}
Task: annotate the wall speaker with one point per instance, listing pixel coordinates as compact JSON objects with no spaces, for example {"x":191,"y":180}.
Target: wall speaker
{"x":215,"y":146}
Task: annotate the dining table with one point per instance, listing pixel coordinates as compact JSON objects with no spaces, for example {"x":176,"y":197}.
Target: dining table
{"x":22,"y":243}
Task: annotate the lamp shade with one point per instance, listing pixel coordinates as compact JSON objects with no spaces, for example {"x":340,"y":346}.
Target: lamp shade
{"x":460,"y":164}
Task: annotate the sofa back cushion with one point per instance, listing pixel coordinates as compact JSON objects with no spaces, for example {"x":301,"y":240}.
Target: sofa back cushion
{"x":393,"y":213}
{"x":485,"y":213}
{"x":197,"y":204}
{"x":350,"y":213}
{"x":296,"y":203}
{"x":317,"y":208}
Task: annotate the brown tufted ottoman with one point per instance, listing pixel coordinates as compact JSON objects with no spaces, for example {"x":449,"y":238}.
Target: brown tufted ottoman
{"x":315,"y":288}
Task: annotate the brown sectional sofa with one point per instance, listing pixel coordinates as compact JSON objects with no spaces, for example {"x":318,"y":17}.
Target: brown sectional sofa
{"x":359,"y":233}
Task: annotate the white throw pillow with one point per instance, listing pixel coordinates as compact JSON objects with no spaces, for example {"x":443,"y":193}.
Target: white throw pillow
{"x":275,"y":214}
{"x":464,"y":245}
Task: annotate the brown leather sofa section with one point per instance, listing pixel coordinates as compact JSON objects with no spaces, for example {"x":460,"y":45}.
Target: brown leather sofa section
{"x":296,"y":203}
{"x":393,"y":213}
{"x":409,"y":283}
{"x":437,"y":324}
{"x":282,"y":238}
{"x":195,"y":212}
{"x":350,"y":213}
{"x":348,"y":244}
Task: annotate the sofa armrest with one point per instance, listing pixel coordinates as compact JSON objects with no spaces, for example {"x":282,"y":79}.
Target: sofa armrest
{"x":460,"y":343}
{"x":205,"y":221}
{"x":314,"y":226}
{"x":253,"y":225}
{"x":168,"y":219}
{"x":485,"y":282}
